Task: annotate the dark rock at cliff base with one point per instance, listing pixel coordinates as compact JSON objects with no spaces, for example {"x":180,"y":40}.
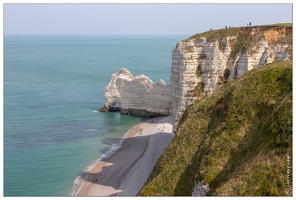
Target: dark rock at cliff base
{"x":114,"y":109}
{"x":110,"y":109}
{"x":138,"y":112}
{"x":104,"y":109}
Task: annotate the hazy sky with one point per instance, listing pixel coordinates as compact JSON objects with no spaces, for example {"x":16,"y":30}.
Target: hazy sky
{"x":137,"y":18}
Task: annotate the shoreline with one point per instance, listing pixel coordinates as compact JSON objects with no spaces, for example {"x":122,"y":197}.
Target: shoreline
{"x":125,"y":171}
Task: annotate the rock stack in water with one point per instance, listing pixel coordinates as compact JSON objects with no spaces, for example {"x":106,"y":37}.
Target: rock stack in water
{"x":137,"y":95}
{"x":200,"y":65}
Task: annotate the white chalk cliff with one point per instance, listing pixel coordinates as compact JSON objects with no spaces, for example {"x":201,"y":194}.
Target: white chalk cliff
{"x":137,"y":95}
{"x":200,"y":65}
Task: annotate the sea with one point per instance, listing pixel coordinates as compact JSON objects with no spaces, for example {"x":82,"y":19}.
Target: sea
{"x":53,"y":88}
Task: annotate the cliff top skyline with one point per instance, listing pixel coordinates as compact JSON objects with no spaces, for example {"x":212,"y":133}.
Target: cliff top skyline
{"x":137,"y":19}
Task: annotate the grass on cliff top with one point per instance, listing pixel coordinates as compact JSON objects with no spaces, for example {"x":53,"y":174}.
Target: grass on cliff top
{"x":213,"y":35}
{"x":220,"y":33}
{"x":279,"y":25}
{"x":245,"y":40}
{"x":239,"y":140}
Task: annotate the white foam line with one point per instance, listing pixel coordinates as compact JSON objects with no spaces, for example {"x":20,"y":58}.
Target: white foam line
{"x":88,"y":168}
{"x":114,"y":148}
{"x":117,"y":146}
{"x":79,"y":189}
{"x":76,"y":182}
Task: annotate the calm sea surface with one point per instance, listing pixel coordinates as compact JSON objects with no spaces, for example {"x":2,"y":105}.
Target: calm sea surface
{"x":53,"y":86}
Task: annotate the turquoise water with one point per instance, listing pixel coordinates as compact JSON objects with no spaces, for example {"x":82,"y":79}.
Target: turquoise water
{"x":53,"y":86}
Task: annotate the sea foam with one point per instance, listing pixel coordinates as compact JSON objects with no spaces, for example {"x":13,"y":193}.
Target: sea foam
{"x":78,"y":183}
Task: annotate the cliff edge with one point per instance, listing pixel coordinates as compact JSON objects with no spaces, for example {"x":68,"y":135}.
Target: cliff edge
{"x":200,"y":65}
{"x":204,"y":62}
{"x":236,"y":142}
{"x":230,"y":94}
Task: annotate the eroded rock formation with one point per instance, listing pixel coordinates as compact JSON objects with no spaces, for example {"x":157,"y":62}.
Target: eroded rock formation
{"x":200,"y":65}
{"x":137,"y":95}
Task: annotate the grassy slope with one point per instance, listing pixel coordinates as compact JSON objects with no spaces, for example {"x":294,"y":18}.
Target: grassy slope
{"x":238,"y":139}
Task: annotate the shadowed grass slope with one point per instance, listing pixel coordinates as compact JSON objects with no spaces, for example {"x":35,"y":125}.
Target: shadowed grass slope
{"x":237,"y":140}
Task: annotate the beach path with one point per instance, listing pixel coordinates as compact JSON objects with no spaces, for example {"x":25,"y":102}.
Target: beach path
{"x":127,"y":169}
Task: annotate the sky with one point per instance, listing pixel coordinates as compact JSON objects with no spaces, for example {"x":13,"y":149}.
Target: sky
{"x":173,"y":18}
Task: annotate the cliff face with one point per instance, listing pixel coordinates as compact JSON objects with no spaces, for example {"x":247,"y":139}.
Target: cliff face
{"x":200,"y":65}
{"x":203,"y":64}
{"x":137,"y":95}
{"x":235,"y":142}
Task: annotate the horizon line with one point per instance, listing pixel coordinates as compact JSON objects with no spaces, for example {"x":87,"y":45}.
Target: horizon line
{"x":94,"y":34}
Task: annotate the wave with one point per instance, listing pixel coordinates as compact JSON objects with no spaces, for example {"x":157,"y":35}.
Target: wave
{"x":78,"y":183}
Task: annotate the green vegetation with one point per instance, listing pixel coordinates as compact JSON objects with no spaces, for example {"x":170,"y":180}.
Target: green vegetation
{"x":286,"y":40}
{"x":279,"y":25}
{"x":198,"y":90}
{"x":239,"y":44}
{"x":214,"y":35}
{"x":226,"y":74}
{"x":245,"y":39}
{"x":224,"y":78}
{"x":189,"y":48}
{"x":237,"y":140}
{"x":198,"y":71}
{"x":217,"y":35}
